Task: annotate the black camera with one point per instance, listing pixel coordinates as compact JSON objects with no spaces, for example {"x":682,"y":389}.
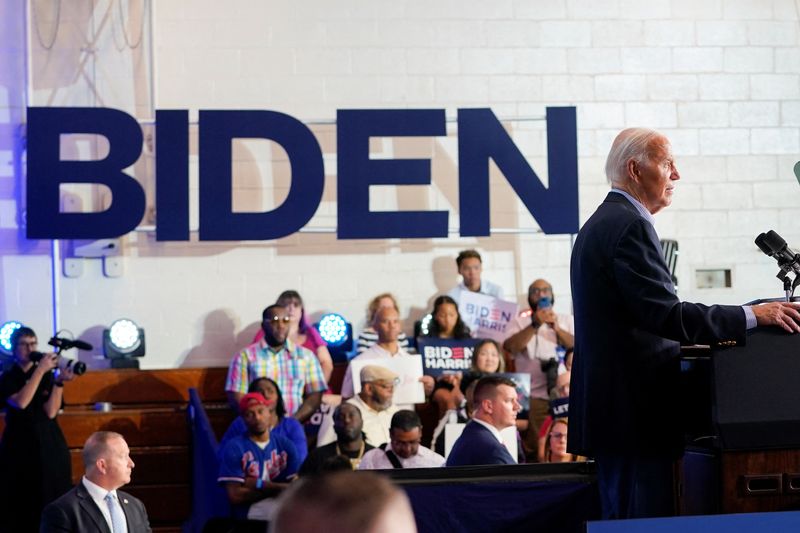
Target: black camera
{"x":64,"y":363}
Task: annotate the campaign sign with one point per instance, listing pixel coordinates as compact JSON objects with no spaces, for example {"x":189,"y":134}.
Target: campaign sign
{"x":440,"y":355}
{"x":409,"y":369}
{"x":559,"y":407}
{"x":487,"y":317}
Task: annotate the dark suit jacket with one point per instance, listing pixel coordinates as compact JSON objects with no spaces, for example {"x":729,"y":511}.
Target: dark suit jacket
{"x":76,"y":512}
{"x":629,"y":325}
{"x":477,"y":446}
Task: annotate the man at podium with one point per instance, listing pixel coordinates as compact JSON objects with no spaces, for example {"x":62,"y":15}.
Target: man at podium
{"x":629,"y":325}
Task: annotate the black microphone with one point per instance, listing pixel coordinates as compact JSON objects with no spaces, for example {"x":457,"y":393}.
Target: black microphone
{"x":775,"y":246}
{"x":66,"y":344}
{"x":35,"y":356}
{"x":763,"y":245}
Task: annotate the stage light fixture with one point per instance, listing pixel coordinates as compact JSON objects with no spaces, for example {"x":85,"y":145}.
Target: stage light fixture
{"x":123,"y":341}
{"x":333,"y":329}
{"x":338,"y":333}
{"x":425,"y":324}
{"x":6,"y":330}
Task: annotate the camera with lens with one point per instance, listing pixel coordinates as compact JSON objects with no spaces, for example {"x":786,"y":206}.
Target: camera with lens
{"x":64,"y":363}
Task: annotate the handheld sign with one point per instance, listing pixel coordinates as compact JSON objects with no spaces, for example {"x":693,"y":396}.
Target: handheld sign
{"x":440,"y":355}
{"x":486,"y":316}
{"x":410,"y":389}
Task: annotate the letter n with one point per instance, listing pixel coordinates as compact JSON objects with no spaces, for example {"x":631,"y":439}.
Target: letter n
{"x":481,"y":137}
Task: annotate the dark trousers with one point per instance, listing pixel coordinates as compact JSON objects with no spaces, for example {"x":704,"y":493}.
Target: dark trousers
{"x":635,"y":487}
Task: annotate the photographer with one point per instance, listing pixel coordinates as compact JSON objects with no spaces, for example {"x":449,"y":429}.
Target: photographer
{"x":534,"y":339}
{"x":35,"y":464}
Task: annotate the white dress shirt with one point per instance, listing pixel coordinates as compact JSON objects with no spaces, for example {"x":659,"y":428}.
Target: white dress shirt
{"x":98,"y":495}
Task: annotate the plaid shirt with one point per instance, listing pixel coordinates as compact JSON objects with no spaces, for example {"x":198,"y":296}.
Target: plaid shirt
{"x":295,"y":369}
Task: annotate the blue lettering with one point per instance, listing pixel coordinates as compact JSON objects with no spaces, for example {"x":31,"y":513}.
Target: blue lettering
{"x":357,"y":172}
{"x":218,"y":222}
{"x":172,"y":169}
{"x":481,"y":137}
{"x":47,"y":172}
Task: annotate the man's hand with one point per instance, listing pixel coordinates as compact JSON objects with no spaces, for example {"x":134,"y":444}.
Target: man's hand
{"x":48,"y":362}
{"x":782,"y":314}
{"x":545,"y":316}
{"x":427,"y":384}
{"x":66,"y":375}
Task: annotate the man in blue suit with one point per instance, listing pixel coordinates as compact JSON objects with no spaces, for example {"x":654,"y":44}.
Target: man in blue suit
{"x":629,"y":325}
{"x":496,"y":408}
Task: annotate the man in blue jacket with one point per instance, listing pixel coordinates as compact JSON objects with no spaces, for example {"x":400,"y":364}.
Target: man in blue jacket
{"x":629,"y":326}
{"x":496,"y":408}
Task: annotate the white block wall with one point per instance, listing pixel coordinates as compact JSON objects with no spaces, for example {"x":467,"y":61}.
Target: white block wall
{"x":720,"y":77}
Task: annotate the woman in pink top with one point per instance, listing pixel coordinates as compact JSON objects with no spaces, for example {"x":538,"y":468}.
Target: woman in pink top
{"x":301,"y":332}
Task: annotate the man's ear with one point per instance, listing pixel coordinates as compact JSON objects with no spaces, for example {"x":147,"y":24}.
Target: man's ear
{"x":487,"y":406}
{"x":633,"y":170}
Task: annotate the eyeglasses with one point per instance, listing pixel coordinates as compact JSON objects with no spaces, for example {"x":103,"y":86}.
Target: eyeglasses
{"x":279,"y":319}
{"x":539,"y":290}
{"x":386,"y":384}
{"x":557,"y":435}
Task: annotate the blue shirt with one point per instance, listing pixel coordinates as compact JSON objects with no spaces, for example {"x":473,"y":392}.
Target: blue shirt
{"x":241,"y":458}
{"x":288,"y":428}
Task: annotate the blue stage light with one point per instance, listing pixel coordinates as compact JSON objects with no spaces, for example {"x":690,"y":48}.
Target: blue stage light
{"x":333,"y":329}
{"x":5,"y":334}
{"x":338,"y":333}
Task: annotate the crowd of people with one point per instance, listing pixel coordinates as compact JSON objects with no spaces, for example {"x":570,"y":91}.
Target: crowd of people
{"x":280,"y":380}
{"x":277,"y":383}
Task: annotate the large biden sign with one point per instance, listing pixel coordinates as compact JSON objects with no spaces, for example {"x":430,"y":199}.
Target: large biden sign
{"x":481,"y":139}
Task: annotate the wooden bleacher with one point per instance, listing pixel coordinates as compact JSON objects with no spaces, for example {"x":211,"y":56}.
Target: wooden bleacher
{"x":149,"y":409}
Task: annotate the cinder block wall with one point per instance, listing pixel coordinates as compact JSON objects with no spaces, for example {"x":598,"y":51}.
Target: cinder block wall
{"x":721,"y":78}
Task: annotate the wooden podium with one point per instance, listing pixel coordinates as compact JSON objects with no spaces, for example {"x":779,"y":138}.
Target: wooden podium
{"x":743,"y":453}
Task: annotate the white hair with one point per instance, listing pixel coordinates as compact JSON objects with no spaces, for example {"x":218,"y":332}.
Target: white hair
{"x":630,"y":144}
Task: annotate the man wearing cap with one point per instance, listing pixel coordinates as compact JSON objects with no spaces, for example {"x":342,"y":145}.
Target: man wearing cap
{"x":376,"y":403}
{"x":256,"y":465}
{"x":496,"y":408}
{"x":403,"y":449}
{"x":95,"y":505}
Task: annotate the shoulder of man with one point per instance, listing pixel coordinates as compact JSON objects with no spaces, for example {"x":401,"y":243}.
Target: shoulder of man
{"x":282,"y":443}
{"x":373,"y":352}
{"x":250,"y":351}
{"x":299,"y":351}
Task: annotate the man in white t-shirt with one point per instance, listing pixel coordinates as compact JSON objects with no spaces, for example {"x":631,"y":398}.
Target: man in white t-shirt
{"x":470,"y":266}
{"x":533,"y":340}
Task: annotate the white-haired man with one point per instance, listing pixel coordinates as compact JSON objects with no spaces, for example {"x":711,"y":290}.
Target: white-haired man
{"x":629,"y":325}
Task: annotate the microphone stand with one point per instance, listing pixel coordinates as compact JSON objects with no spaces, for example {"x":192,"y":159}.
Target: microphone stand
{"x":788,"y":285}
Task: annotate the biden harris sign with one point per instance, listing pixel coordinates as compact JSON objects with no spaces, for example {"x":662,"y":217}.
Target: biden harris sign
{"x":481,"y":139}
